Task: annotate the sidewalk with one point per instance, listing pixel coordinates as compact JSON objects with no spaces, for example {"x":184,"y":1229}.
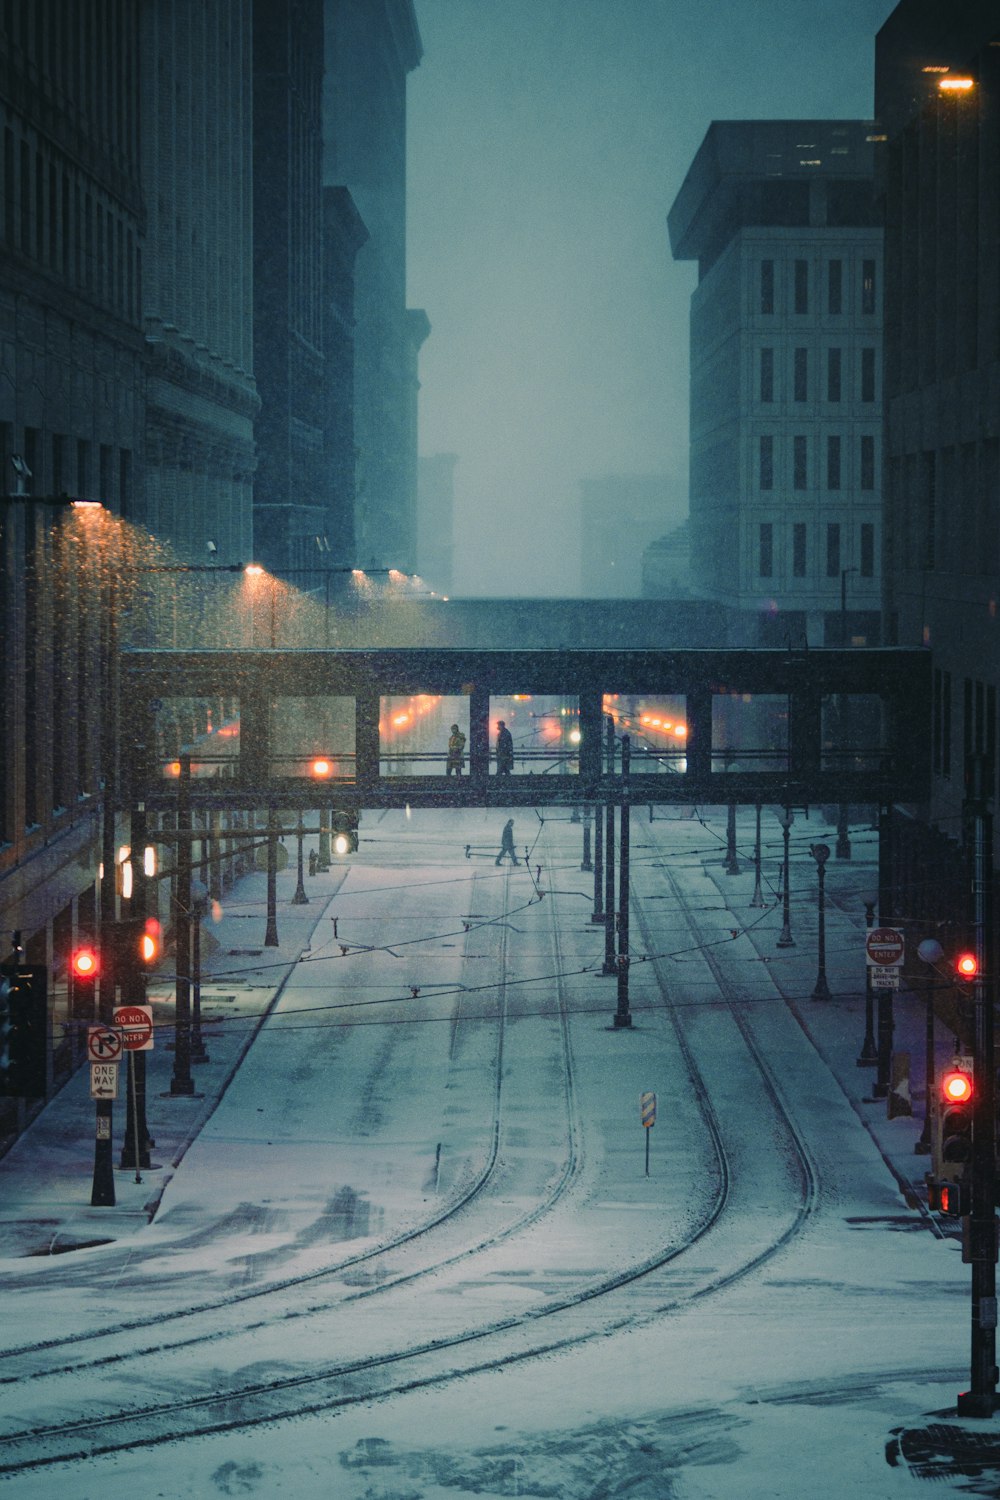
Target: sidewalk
{"x":46,"y":1177}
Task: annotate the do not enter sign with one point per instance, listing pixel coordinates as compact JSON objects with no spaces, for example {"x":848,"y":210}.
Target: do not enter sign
{"x":885,"y":947}
{"x":136,"y":1025}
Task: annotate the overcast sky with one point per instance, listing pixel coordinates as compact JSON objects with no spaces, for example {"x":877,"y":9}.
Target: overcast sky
{"x":547,"y":140}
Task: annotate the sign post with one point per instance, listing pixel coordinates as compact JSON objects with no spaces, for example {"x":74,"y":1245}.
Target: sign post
{"x":136,"y":1025}
{"x":647,"y":1111}
{"x":884,"y":949}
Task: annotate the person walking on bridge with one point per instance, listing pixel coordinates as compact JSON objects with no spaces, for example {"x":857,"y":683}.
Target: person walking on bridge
{"x":456,"y":752}
{"x":505,"y":750}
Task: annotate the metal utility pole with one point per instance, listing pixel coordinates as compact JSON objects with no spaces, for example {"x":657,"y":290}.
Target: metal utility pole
{"x":623,"y":1016}
{"x":821,"y":990}
{"x":597,"y":915}
{"x":271,"y":928}
{"x":786,"y":818}
{"x":181,"y":1081}
{"x":883,"y":1003}
{"x":868,"y":1056}
{"x":980,"y":1240}
{"x":610,"y":967}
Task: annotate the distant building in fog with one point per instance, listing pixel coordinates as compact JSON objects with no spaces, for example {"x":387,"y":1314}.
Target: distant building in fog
{"x":371,"y":46}
{"x":786,"y":350}
{"x":666,"y":565}
{"x":939,"y":169}
{"x":620,"y":514}
{"x":436,"y":520}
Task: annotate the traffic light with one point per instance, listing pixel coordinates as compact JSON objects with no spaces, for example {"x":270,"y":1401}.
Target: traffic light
{"x":955,"y":1198}
{"x":138,"y":944}
{"x":24,"y":991}
{"x":955,"y":1110}
{"x":84,"y":967}
{"x":967,"y":966}
{"x":344,"y":830}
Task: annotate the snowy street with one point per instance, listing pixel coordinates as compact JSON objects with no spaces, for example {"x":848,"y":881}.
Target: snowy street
{"x":415,"y":1239}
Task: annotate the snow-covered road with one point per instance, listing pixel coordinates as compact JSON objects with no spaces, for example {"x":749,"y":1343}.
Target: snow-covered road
{"x":421,"y":1212}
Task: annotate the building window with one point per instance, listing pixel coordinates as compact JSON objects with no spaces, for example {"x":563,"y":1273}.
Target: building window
{"x":800,"y":460}
{"x":833,"y":367}
{"x":833,"y":550}
{"x":799,"y":549}
{"x":867,"y":567}
{"x":767,"y":286}
{"x":867,"y":286}
{"x":766,"y":550}
{"x":833,"y":461}
{"x":767,"y":463}
{"x":801,"y":286}
{"x":125,"y":484}
{"x":801,"y":387}
{"x":867,"y":461}
{"x":834,"y":287}
{"x":58,"y":464}
{"x":941,"y":722}
{"x":83,"y":469}
{"x":868,"y":374}
{"x":767,"y":374}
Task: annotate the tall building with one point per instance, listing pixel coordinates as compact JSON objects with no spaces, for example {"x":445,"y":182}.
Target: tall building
{"x":291,"y":527}
{"x":785,"y":378}
{"x":620,"y":515}
{"x":197,"y":297}
{"x":371,"y":46}
{"x":937,"y":100}
{"x":71,"y":218}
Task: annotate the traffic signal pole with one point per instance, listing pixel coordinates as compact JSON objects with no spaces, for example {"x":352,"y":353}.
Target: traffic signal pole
{"x":980,"y":1242}
{"x":623,"y":1016}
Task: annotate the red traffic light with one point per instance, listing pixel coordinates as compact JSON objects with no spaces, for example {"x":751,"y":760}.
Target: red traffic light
{"x":149,"y":941}
{"x":956,"y":1087}
{"x":966,"y":966}
{"x":85,"y":963}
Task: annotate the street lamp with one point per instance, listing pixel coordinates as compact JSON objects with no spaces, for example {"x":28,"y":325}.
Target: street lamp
{"x":930,"y":953}
{"x":821,"y":853}
{"x":757,"y":899}
{"x":786,"y":818}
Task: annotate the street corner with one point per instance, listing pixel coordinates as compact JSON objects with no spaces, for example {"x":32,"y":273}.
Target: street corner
{"x":945,"y":1448}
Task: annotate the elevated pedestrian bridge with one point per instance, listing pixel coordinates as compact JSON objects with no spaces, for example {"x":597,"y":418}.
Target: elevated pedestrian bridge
{"x":369,"y":729}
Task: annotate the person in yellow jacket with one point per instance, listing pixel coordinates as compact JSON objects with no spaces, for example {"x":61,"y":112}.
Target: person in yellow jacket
{"x":456,"y":752}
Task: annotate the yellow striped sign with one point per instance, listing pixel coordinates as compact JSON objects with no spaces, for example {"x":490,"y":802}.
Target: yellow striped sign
{"x":647,"y":1105}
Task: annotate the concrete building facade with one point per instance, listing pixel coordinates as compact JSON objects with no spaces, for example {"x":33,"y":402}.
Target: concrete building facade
{"x":197,"y":301}
{"x":785,"y":378}
{"x":938,"y":109}
{"x":290,"y":521}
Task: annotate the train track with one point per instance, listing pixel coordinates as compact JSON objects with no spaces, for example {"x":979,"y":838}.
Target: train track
{"x":594,"y":1307}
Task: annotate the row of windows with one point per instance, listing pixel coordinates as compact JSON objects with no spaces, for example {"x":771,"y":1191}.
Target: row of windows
{"x":802,"y":296}
{"x":70,"y":466}
{"x":834,"y":449}
{"x":800,"y":549}
{"x":835,"y":382}
{"x":51,"y":216}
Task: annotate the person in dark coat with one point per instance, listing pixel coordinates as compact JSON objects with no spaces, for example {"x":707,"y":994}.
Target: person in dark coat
{"x":507,"y":842}
{"x":456,"y":752}
{"x":505,"y":750}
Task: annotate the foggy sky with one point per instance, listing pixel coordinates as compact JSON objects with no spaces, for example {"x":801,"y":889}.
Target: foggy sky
{"x":547,"y":140}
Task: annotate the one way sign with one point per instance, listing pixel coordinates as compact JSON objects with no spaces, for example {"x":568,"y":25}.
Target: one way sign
{"x":104,"y":1080}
